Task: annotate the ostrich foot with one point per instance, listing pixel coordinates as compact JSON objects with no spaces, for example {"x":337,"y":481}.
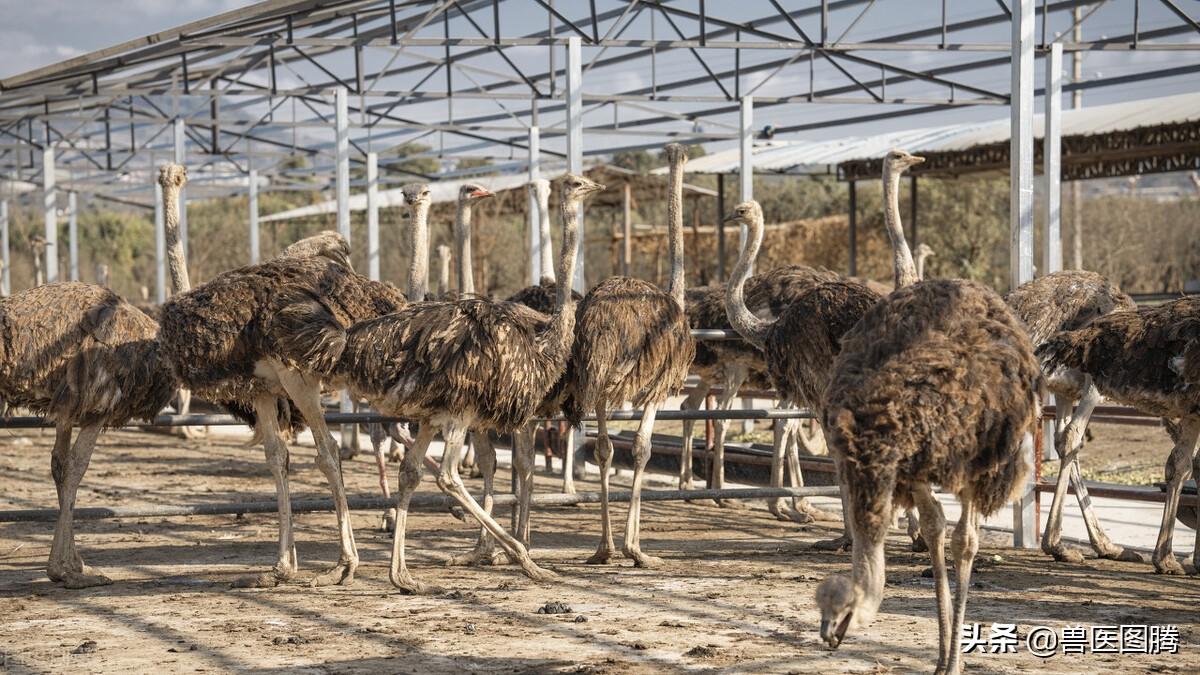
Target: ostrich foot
{"x":389,"y":521}
{"x":1122,"y":554}
{"x":539,"y":574}
{"x":1063,"y":553}
{"x":407,"y":585}
{"x":341,"y":574}
{"x":84,"y":577}
{"x":642,"y":560}
{"x":1168,"y":565}
{"x":734,"y":504}
{"x":269,"y":579}
{"x":346,"y":452}
{"x":788,"y":514}
{"x":819,"y":515}
{"x":841,"y":543}
{"x":480,"y":556}
{"x":918,"y":545}
{"x":603,"y":556}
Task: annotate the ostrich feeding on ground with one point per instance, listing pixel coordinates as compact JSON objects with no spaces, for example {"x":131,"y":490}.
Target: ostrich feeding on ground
{"x":81,"y":356}
{"x":462,"y":365}
{"x":1148,"y":358}
{"x":801,"y":343}
{"x":224,"y":340}
{"x":1057,"y":302}
{"x":634,"y":345}
{"x":936,"y":385}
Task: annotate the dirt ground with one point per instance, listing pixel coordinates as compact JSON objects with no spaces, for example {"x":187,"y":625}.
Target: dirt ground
{"x":734,"y":593}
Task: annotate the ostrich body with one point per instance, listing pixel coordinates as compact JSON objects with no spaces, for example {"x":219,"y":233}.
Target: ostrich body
{"x":1148,"y":358}
{"x":1057,"y":302}
{"x":935,"y":385}
{"x":468,"y":364}
{"x":81,"y":356}
{"x":633,"y":344}
{"x":224,"y":340}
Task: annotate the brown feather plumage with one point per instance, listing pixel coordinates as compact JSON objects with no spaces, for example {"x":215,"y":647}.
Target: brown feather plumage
{"x":540,"y":298}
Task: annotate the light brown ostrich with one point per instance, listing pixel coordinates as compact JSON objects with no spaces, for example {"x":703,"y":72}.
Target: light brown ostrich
{"x":37,"y":244}
{"x":923,"y":253}
{"x":1148,"y":358}
{"x":81,"y":356}
{"x":1049,"y":304}
{"x":443,"y":262}
{"x":634,"y":344}
{"x":461,"y":365}
{"x":224,"y":340}
{"x":936,"y":385}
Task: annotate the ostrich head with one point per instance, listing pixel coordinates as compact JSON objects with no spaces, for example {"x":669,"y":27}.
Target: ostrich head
{"x":416,"y":193}
{"x":540,"y":190}
{"x":900,"y":160}
{"x":172,"y":175}
{"x":924,"y":250}
{"x":577,"y":188}
{"x":838,"y":599}
{"x":675,"y":152}
{"x":748,"y":213}
{"x":471,"y":192}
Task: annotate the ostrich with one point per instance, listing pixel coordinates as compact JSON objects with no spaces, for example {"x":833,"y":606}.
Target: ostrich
{"x":443,"y":257}
{"x":937,"y":384}
{"x":1148,"y":358}
{"x":82,"y":356}
{"x":224,"y":340}
{"x":1066,"y":301}
{"x":467,"y":364}
{"x":634,"y":344}
{"x":923,"y":252}
{"x":37,"y":244}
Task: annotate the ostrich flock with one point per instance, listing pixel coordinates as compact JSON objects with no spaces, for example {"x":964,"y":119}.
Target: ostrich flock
{"x":933,"y":385}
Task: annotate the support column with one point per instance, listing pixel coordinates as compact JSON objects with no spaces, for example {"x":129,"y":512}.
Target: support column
{"x":5,"y":275}
{"x":49,"y":210}
{"x":746,"y":192}
{"x":853,"y":266}
{"x":181,"y":158}
{"x":373,"y":216}
{"x":627,"y":230}
{"x":535,"y":234}
{"x":1052,"y":159}
{"x":253,"y":192}
{"x":721,"y":253}
{"x":575,"y":144}
{"x":73,"y":233}
{"x":160,"y":247}
{"x":1076,"y":103}
{"x":1021,"y":214}
{"x":342,"y":127}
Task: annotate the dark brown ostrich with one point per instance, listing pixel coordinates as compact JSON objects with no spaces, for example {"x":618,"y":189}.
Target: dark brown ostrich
{"x":1149,"y":359}
{"x":223,"y":340}
{"x":81,"y":356}
{"x":469,"y":364}
{"x":634,"y":345}
{"x":936,"y":385}
{"x":800,"y":344}
{"x":1049,"y":304}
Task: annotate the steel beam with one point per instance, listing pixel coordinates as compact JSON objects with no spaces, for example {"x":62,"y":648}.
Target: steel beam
{"x":342,"y":130}
{"x":373,"y":217}
{"x":746,"y":168}
{"x":1052,"y":159}
{"x":252,"y":180}
{"x":1021,"y":216}
{"x":535,"y":236}
{"x":73,"y":233}
{"x":50,"y":212}
{"x":6,"y":275}
{"x":574,"y":95}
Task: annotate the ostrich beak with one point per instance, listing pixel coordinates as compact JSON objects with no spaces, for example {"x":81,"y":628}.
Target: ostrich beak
{"x":916,"y":159}
{"x":599,"y":187}
{"x":480,"y":193}
{"x":833,"y":635}
{"x":731,"y":218}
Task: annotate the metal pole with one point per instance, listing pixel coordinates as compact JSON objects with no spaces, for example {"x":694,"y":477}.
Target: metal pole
{"x":1076,"y":103}
{"x":5,"y":277}
{"x":1021,"y":214}
{"x":721,"y":254}
{"x":181,"y":158}
{"x":49,"y":209}
{"x":535,"y":234}
{"x":853,"y":267}
{"x":73,"y":233}
{"x":746,"y":164}
{"x":254,"y":247}
{"x":342,"y":127}
{"x":575,"y":141}
{"x":160,"y":247}
{"x":627,"y":230}
{"x":1052,"y":158}
{"x":373,"y":216}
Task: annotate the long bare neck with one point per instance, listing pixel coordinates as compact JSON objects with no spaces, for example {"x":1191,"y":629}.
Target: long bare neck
{"x":921,"y":265}
{"x":904,"y":270}
{"x":560,"y":333}
{"x":868,"y":576}
{"x":443,"y":270}
{"x":546,"y":250}
{"x":462,"y":239}
{"x":749,"y":326}
{"x":675,"y":231}
{"x":418,"y":270}
{"x":176,"y":261}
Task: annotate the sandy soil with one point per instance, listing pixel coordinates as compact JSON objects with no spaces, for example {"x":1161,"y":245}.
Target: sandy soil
{"x":734,"y":592}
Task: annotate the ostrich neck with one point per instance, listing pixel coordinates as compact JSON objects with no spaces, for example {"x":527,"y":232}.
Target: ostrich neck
{"x":462,"y":236}
{"x":904,"y":270}
{"x":675,"y":233}
{"x":749,"y":326}
{"x":418,"y":271}
{"x":868,"y":577}
{"x":176,"y":261}
{"x":560,"y":333}
{"x":443,"y":271}
{"x":920,"y":267}
{"x":545,"y":249}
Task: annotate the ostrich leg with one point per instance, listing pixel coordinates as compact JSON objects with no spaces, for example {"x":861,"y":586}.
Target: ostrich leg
{"x":267,"y":428}
{"x":693,"y":401}
{"x":306,"y":393}
{"x":524,"y":456}
{"x":781,"y":438}
{"x":604,"y":454}
{"x":379,"y":438}
{"x":735,"y":377}
{"x":846,"y":539}
{"x":568,"y":441}
{"x":1068,"y":438}
{"x":450,"y":481}
{"x":802,"y":510}
{"x":641,"y":456}
{"x":964,"y":546}
{"x":1179,"y":465}
{"x":406,"y":485}
{"x":485,"y":552}
{"x":68,"y":464}
{"x":933,"y":529}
